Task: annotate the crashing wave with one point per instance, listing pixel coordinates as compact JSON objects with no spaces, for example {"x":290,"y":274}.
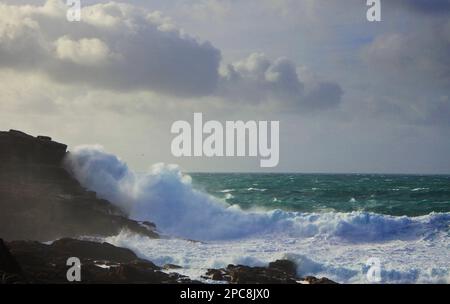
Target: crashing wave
{"x":166,"y":197}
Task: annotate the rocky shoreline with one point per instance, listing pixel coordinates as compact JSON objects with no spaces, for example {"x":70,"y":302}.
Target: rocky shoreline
{"x":278,"y":272}
{"x":35,"y":262}
{"x":41,"y":202}
{"x":23,"y":262}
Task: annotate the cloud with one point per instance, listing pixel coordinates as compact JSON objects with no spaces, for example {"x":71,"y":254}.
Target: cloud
{"x":419,"y":56}
{"x":426,"y":6}
{"x":120,"y":47}
{"x":258,"y":79}
{"x":115,"y":46}
{"x":83,"y":52}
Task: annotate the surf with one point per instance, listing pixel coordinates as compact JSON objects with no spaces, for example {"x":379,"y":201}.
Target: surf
{"x":166,"y":196}
{"x":336,"y":245}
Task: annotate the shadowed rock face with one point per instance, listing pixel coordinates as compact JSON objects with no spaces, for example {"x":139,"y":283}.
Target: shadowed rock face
{"x":7,"y":262}
{"x":100,"y":263}
{"x":40,"y":201}
{"x":18,"y":147}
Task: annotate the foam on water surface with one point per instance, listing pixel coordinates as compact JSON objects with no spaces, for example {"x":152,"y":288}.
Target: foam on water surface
{"x":332,"y":244}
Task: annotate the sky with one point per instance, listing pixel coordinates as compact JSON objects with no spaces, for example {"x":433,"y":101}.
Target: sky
{"x":351,"y":96}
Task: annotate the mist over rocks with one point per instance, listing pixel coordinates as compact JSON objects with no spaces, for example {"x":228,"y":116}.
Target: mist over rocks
{"x":40,"y":200}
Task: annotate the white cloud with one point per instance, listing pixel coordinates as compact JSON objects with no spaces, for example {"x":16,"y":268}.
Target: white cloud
{"x":134,"y":48}
{"x":120,"y":47}
{"x":258,"y":79}
{"x":416,"y":59}
{"x":83,"y":52}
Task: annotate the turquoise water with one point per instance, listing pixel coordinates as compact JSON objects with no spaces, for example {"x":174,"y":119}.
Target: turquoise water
{"x":344,"y":221}
{"x":384,"y":194}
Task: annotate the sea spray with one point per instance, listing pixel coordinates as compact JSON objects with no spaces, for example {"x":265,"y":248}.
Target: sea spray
{"x":166,"y":196}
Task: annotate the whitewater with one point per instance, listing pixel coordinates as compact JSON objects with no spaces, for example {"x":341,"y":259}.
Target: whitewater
{"x":201,"y":231}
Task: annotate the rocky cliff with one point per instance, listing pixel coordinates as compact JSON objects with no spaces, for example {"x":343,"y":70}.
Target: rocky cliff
{"x":40,"y":201}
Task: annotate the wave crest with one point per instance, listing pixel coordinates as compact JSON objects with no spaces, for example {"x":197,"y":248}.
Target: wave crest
{"x":166,"y":197}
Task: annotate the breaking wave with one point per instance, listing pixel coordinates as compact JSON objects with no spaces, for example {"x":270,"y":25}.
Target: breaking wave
{"x":166,"y":197}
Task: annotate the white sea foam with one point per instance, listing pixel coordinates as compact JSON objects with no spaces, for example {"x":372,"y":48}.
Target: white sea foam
{"x":165,"y":196}
{"x":418,"y":189}
{"x":339,"y":242}
{"x":229,"y":196}
{"x":256,"y":189}
{"x":226,"y":190}
{"x":401,"y":261}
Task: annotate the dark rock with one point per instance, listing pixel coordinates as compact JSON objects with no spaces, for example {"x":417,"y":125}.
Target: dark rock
{"x":94,"y":250}
{"x":258,"y":275}
{"x":314,"y":280}
{"x":171,"y":266}
{"x":22,"y":148}
{"x":278,"y":272}
{"x":46,"y":138}
{"x":7,"y":262}
{"x":148,"y":224}
{"x":100,"y":263}
{"x":40,"y":200}
{"x":216,"y":275}
{"x":285,"y":266}
{"x":10,"y":271}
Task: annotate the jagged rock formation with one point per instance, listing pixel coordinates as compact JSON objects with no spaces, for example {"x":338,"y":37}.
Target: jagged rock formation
{"x":278,"y":272}
{"x":40,"y":200}
{"x":34,"y":262}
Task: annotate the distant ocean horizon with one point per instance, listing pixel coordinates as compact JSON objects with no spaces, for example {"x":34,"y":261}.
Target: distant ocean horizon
{"x":391,"y":194}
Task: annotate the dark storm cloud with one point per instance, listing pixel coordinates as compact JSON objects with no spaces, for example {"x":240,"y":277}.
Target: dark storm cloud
{"x":426,"y":6}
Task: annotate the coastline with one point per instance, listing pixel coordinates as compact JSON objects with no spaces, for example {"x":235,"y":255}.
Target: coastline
{"x":46,"y":214}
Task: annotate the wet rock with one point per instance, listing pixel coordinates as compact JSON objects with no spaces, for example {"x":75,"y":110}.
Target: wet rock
{"x":217,"y":275}
{"x":94,"y":250}
{"x":278,"y":272}
{"x":171,"y":266}
{"x":285,"y":266}
{"x":258,"y":275}
{"x":314,"y":280}
{"x":100,"y":263}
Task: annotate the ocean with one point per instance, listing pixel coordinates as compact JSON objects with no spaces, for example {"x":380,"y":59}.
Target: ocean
{"x":330,"y":225}
{"x":410,"y":195}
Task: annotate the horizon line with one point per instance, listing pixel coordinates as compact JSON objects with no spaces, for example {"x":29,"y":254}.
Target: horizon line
{"x":318,"y":173}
